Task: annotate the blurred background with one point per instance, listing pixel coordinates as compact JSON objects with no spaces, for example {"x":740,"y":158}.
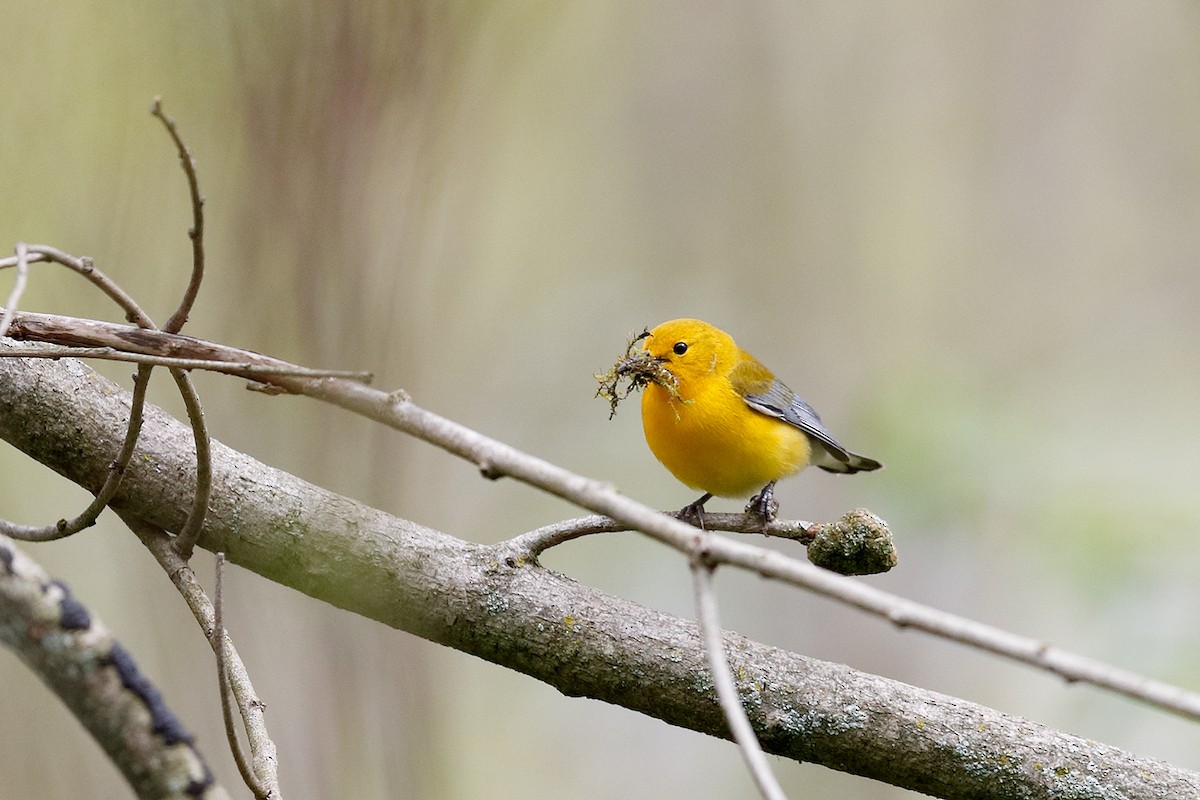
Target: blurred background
{"x":966,"y":232}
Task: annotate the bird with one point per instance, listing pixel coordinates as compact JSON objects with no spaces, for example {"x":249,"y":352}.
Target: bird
{"x":722,"y":423}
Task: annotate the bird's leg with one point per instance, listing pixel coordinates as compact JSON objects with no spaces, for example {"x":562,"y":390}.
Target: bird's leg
{"x":764,"y":503}
{"x":693,"y":513}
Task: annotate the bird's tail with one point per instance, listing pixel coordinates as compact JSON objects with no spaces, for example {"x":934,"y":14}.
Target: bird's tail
{"x":843,"y":462}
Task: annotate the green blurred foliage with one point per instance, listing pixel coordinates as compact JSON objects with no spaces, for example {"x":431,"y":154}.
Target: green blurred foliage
{"x":966,"y":231}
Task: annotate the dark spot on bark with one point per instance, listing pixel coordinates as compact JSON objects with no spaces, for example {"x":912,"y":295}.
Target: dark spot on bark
{"x":165,"y":723}
{"x":74,"y":615}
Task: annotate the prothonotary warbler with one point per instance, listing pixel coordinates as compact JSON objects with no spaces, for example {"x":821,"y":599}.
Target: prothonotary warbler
{"x":722,"y":423}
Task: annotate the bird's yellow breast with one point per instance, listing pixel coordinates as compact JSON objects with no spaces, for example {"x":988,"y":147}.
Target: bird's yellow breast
{"x":709,"y":439}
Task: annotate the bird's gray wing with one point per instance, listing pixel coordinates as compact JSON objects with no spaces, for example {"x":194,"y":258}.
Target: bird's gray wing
{"x":828,"y":453}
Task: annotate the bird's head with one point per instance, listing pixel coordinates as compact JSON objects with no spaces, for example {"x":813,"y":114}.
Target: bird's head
{"x":690,"y":349}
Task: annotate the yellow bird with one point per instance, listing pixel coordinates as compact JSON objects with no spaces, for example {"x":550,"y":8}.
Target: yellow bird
{"x":722,"y":423}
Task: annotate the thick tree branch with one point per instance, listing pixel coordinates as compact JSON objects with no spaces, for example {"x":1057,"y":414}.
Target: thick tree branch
{"x":483,"y":601}
{"x":496,"y":459}
{"x":78,"y":658}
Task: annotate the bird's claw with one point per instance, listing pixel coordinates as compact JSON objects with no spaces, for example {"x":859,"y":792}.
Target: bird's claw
{"x":763,"y":504}
{"x":693,"y":513}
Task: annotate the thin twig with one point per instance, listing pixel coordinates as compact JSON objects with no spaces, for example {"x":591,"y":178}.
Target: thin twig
{"x":185,"y":542}
{"x":539,"y":540}
{"x":241,"y":368}
{"x":18,"y":289}
{"x":727,"y":691}
{"x":196,"y":232}
{"x":262,"y":748}
{"x":112,"y":482}
{"x":218,"y":645}
{"x":96,"y":337}
{"x":134,"y":313}
{"x":84,"y":266}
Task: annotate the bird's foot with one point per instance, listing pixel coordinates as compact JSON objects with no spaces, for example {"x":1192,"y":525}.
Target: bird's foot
{"x":763,"y":504}
{"x":693,"y":513}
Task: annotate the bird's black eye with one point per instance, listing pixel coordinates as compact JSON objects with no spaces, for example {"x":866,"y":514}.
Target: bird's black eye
{"x":680,"y":348}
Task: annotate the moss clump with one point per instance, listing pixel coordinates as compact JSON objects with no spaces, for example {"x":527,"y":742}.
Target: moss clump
{"x":639,"y":368}
{"x":857,"y":544}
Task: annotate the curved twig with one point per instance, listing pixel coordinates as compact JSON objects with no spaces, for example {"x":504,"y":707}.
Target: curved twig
{"x":133,"y":312}
{"x":196,"y":232}
{"x":108,"y":490}
{"x":185,"y":542}
{"x":219,"y":645}
{"x":262,"y":748}
{"x":539,"y":540}
{"x":85,"y":267}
